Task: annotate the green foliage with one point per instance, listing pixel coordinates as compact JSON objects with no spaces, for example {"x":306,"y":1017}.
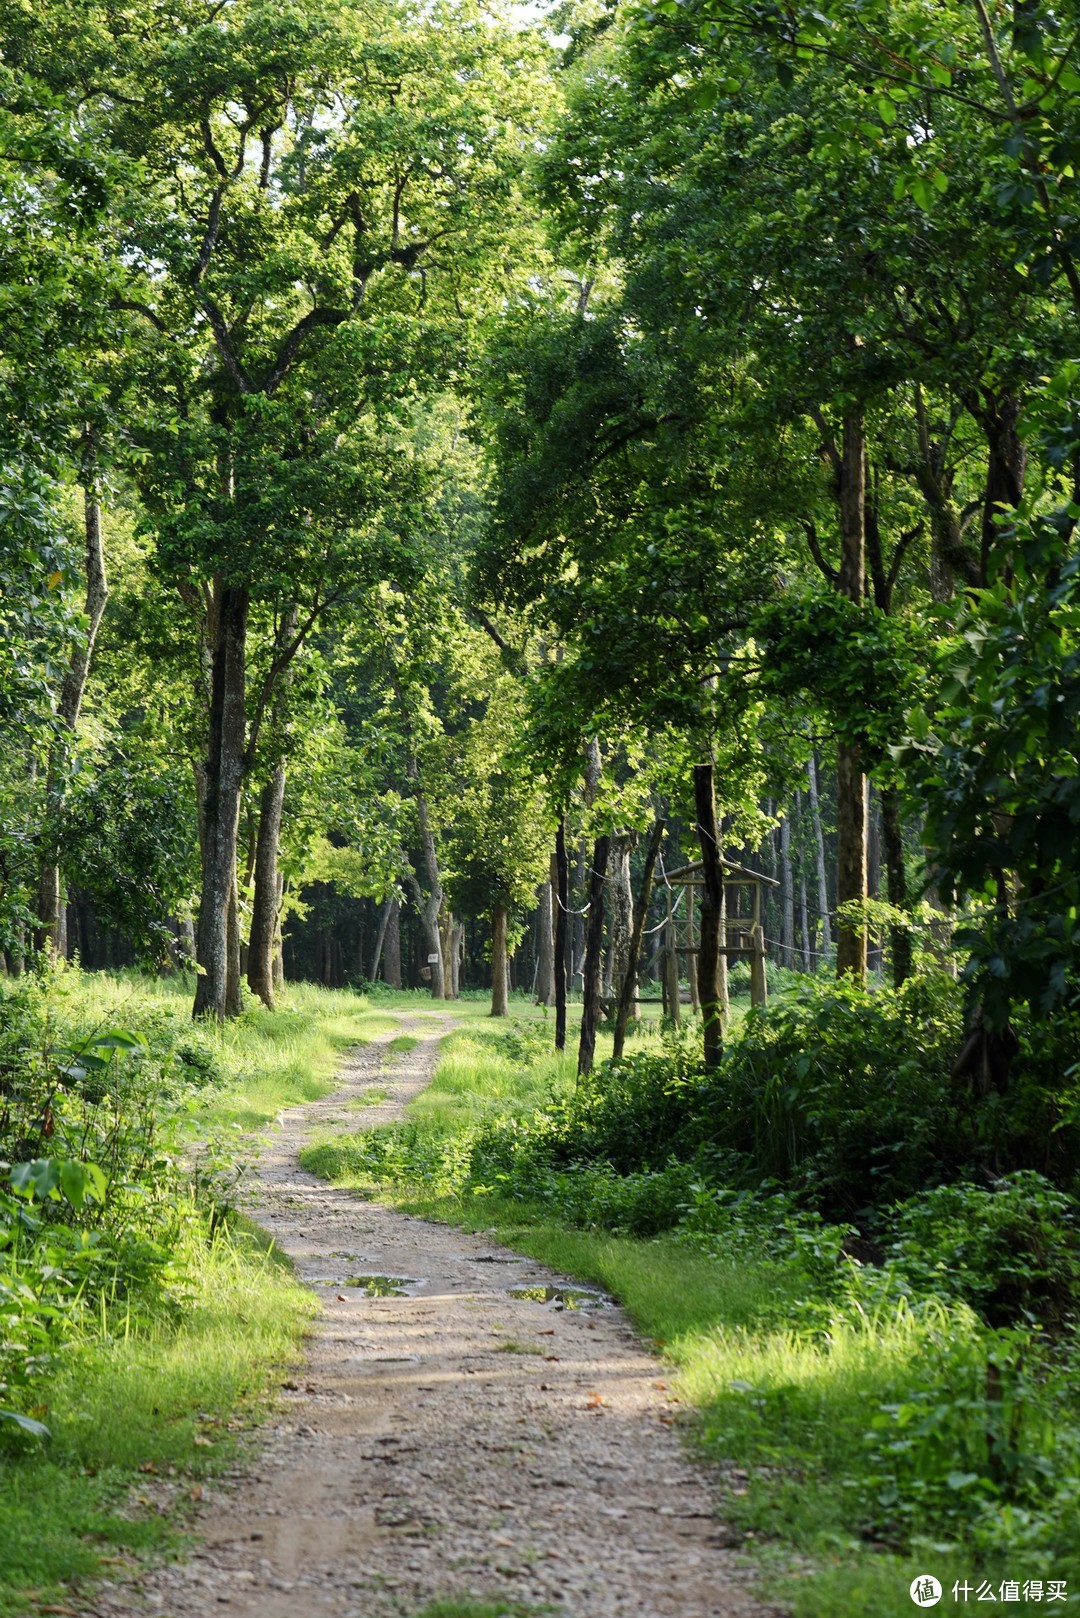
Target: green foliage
{"x":1012,"y":1251}
{"x":995,"y":766}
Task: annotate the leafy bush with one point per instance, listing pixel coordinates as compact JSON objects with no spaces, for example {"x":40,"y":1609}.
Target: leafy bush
{"x":985,"y":1435}
{"x":1011,"y":1251}
{"x":93,"y":1200}
{"x":845,"y":1095}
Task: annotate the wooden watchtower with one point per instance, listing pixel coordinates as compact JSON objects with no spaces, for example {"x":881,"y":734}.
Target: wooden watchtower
{"x":744,"y":907}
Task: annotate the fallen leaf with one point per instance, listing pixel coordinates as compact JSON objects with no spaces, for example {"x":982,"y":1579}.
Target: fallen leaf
{"x":549,"y":1333}
{"x":341,"y":1298}
{"x":147,"y":1466}
{"x":203,"y":1443}
{"x":552,"y":1359}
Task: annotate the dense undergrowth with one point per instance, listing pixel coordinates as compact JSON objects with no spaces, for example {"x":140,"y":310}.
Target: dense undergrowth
{"x":868,"y":1277}
{"x":140,"y":1317}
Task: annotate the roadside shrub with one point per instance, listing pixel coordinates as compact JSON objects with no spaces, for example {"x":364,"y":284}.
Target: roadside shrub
{"x":94,"y":1203}
{"x":982,"y":1437}
{"x":845,"y":1095}
{"x":1011,"y":1251}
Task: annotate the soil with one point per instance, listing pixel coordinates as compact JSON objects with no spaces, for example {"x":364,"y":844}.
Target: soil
{"x":449,"y":1441}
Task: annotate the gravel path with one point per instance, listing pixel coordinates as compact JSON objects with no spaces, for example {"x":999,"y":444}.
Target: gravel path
{"x":453,"y":1441}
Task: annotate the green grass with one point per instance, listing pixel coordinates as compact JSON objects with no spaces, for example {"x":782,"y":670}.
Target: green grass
{"x":403,"y":1042}
{"x":370,"y":1098}
{"x":271,"y":1059}
{"x":136,"y":1407}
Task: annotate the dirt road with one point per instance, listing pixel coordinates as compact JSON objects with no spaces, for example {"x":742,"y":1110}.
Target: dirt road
{"x":449,"y":1441}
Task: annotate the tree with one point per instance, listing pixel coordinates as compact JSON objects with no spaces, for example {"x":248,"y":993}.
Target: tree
{"x":320,"y":204}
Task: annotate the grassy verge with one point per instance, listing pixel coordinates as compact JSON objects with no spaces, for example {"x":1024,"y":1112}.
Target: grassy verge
{"x":263,"y":1061}
{"x":142,"y":1329}
{"x":839,"y":1420}
{"x":140,"y":1414}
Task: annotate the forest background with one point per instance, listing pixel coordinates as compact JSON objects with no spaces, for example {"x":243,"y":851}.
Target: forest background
{"x":462,"y":475}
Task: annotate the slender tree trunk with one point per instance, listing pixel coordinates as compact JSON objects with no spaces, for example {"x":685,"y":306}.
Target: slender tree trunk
{"x":637,"y":933}
{"x":46,"y":935}
{"x":577,"y":921}
{"x":498,"y":962}
{"x":851,"y":861}
{"x":380,"y":938}
{"x":804,"y":916}
{"x":594,"y":952}
{"x":545,"y":968}
{"x":457,"y":956}
{"x":851,"y":782}
{"x":392,"y":948}
{"x":279,"y":942}
{"x":819,"y":854}
{"x":218,"y":953}
{"x":264,"y":908}
{"x":787,"y":896}
{"x":429,"y":905}
{"x":621,"y":922}
{"x":446,"y":945}
{"x":710,"y":987}
{"x":892,"y":837}
{"x":562,"y":933}
{"x":873,"y":871}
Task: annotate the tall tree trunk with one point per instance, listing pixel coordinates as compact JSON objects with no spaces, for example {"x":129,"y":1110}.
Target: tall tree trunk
{"x":710,"y":987}
{"x":223,"y":777}
{"x":446,"y":945}
{"x":429,"y":905}
{"x":545,"y":966}
{"x":562,"y":932}
{"x":621,"y":922}
{"x":576,"y":919}
{"x":594,"y":953}
{"x":380,"y":938}
{"x":804,"y":916}
{"x":392,"y":949}
{"x":851,"y":782}
{"x":819,"y":853}
{"x":787,"y":896}
{"x":67,"y":716}
{"x":264,"y":907}
{"x":873,"y":871}
{"x":234,"y":999}
{"x":498,"y":962}
{"x":278,"y":965}
{"x":457,"y":956}
{"x":851,"y":861}
{"x":892,"y":837}
{"x":641,"y":914}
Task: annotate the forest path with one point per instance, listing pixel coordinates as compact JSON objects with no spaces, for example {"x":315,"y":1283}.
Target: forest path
{"x":451,"y":1442}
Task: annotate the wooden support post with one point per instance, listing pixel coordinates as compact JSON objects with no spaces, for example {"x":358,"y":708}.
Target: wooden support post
{"x":670,"y":970}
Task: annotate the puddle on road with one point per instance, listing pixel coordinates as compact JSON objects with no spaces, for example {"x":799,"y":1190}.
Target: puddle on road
{"x":381,"y":1286}
{"x":561,"y":1297}
{"x":376,"y":1286}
